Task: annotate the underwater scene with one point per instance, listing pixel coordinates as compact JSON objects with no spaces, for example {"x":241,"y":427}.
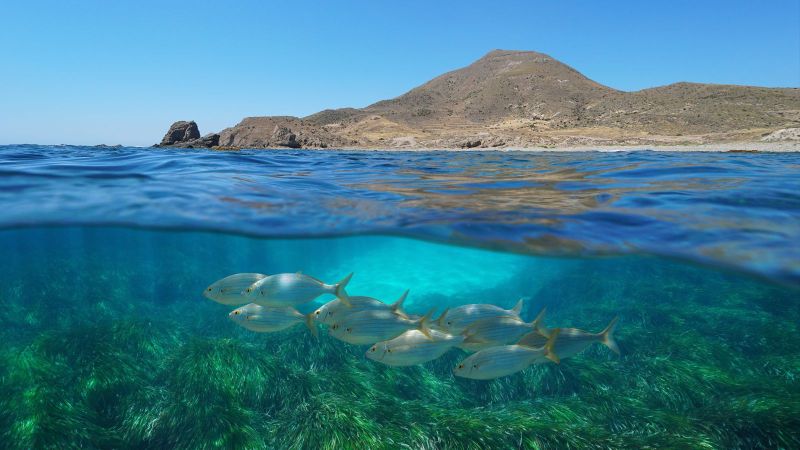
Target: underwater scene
{"x":668,"y":283}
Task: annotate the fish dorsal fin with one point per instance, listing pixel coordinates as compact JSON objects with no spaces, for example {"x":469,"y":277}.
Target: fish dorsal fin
{"x":440,"y":321}
{"x":518,"y":307}
{"x":300,"y":273}
{"x":340,"y":292}
{"x":537,"y":322}
{"x":397,"y":306}
{"x":423,"y":323}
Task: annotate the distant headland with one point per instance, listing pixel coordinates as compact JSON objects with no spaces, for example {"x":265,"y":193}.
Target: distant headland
{"x":523,"y":99}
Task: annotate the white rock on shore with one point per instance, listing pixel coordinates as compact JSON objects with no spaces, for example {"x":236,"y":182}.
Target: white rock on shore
{"x":783,"y":135}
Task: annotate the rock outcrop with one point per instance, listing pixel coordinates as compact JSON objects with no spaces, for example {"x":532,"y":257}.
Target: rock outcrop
{"x":278,"y":132}
{"x":283,"y":137}
{"x":181,"y":131}
{"x":783,"y":135}
{"x":185,"y":134}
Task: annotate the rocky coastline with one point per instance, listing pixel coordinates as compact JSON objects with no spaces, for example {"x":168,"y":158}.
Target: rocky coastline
{"x":526,"y":100}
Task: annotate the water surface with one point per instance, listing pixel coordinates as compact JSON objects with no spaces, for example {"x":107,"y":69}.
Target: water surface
{"x":740,"y":210}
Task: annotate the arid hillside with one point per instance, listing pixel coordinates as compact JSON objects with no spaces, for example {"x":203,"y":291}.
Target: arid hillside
{"x":527,"y":99}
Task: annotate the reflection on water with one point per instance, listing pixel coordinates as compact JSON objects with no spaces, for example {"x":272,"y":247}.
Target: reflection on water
{"x":737,"y":210}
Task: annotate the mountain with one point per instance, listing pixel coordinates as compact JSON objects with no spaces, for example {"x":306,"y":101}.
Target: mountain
{"x":529,"y":99}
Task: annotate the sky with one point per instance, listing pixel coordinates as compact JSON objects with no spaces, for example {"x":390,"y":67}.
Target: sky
{"x":120,"y":72}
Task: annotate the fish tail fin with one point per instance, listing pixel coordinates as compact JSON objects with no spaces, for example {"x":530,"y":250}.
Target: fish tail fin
{"x":340,"y":292}
{"x":608,"y":336}
{"x":518,"y":307}
{"x":397,"y":307}
{"x":312,"y":327}
{"x":548,"y":347}
{"x":423,"y":323}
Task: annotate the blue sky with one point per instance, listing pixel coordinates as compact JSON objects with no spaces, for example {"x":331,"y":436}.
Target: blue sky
{"x":119,"y":72}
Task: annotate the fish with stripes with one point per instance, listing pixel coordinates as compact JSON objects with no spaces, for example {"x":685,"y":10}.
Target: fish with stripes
{"x":336,"y":308}
{"x":267,"y":319}
{"x":367,"y":327}
{"x":292,"y":289}
{"x":413,"y":347}
{"x":228,"y":290}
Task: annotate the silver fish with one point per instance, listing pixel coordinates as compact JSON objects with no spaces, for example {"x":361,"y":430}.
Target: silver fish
{"x":291,"y":289}
{"x":500,"y":361}
{"x":495,"y":331}
{"x":572,"y":341}
{"x":375,"y":325}
{"x":334,"y":309}
{"x":228,"y":290}
{"x":413,"y":347}
{"x":459,"y":318}
{"x":266,"y":319}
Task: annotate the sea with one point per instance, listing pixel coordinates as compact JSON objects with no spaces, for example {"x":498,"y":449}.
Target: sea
{"x":108,"y":341}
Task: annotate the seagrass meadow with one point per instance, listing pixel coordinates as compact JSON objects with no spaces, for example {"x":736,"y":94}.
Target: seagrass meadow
{"x":107,"y":342}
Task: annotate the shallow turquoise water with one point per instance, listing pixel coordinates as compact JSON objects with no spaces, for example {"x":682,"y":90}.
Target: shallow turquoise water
{"x":109,"y":343}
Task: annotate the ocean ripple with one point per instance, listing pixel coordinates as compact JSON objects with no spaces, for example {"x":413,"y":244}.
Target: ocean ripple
{"x":736,"y":210}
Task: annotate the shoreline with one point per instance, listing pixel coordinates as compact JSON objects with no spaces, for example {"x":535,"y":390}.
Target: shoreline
{"x":727,"y":147}
{"x":730,"y":147}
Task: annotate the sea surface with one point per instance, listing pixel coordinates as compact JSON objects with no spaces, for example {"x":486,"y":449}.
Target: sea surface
{"x":108,"y":342}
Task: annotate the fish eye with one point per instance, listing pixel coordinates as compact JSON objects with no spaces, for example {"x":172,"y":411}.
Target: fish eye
{"x":449,"y":323}
{"x":237,"y":313}
{"x":474,"y":366}
{"x":389,"y":350}
{"x":349,"y":330}
{"x":249,"y":290}
{"x":209,"y":289}
{"x":460,"y":366}
{"x":373,"y":349}
{"x":316,"y":313}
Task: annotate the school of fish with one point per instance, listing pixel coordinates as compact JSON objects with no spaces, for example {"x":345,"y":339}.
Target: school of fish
{"x":501,"y":342}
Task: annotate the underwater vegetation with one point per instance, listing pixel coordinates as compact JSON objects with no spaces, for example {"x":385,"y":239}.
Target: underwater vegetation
{"x":108,"y":343}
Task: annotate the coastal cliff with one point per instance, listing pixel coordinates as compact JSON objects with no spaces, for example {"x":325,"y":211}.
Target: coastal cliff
{"x":524,"y":99}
